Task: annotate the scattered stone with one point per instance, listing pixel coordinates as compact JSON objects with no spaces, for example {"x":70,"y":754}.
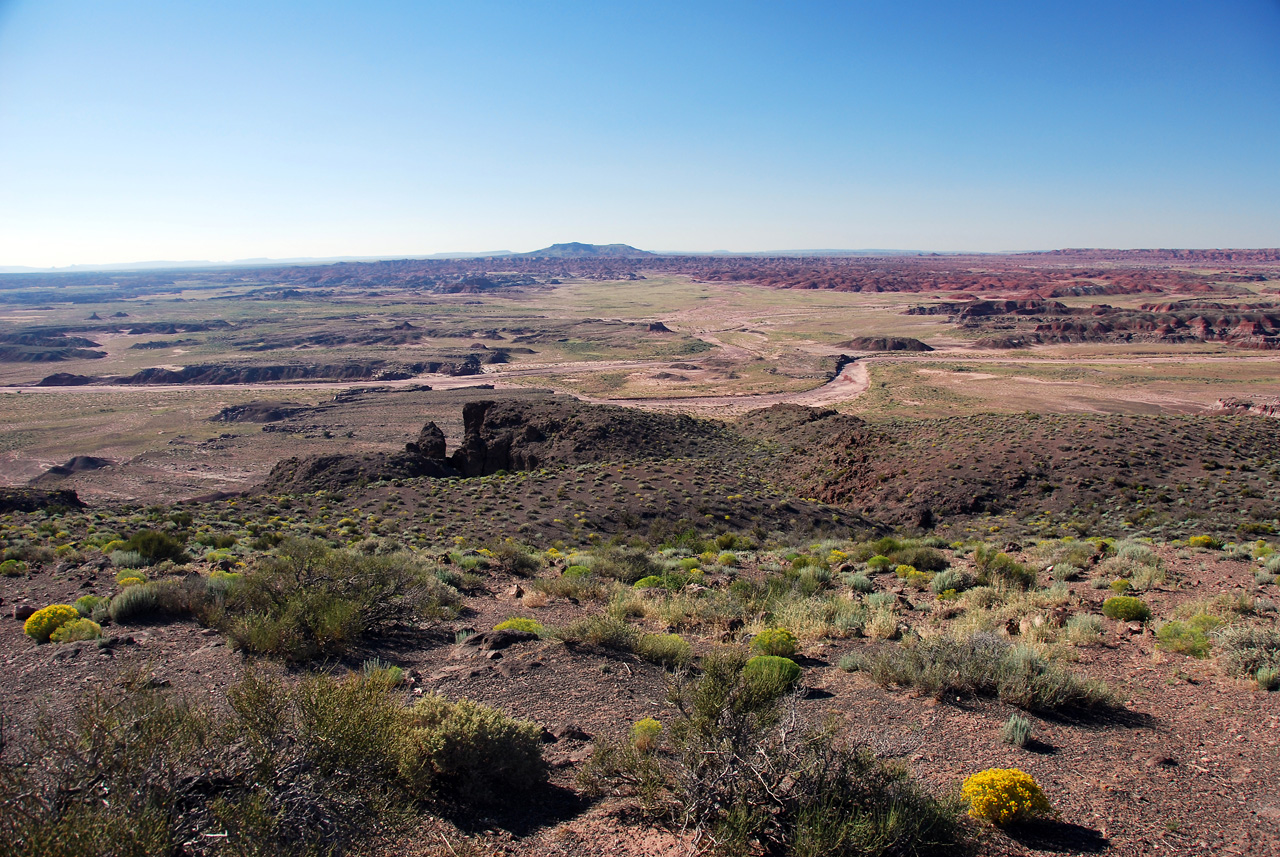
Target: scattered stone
{"x":569,"y":731}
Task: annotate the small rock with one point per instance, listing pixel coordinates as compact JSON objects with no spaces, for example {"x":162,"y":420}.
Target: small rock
{"x":488,"y":641}
{"x":23,"y":612}
{"x":569,"y":732}
{"x":516,"y":591}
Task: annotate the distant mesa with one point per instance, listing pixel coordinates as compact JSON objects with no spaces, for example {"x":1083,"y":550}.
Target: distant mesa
{"x":886,"y":343}
{"x":77,"y":464}
{"x":576,"y":250}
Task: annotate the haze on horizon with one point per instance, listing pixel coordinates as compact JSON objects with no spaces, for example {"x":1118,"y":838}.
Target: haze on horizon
{"x":144,"y":130}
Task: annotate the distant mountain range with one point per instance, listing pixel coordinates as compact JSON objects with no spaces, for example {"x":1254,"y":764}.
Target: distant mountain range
{"x":578,"y":250}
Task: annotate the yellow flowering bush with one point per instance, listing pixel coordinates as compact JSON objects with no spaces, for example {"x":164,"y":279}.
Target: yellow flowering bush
{"x":1002,"y":795}
{"x":519,"y":623}
{"x":46,"y":620}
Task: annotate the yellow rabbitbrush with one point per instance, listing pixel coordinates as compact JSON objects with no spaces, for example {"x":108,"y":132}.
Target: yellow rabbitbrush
{"x":46,"y":620}
{"x":1004,"y":795}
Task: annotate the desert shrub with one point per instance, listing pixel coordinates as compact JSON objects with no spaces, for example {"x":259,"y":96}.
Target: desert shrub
{"x":667,"y":650}
{"x":42,"y":623}
{"x":1004,"y":795}
{"x":1016,"y":731}
{"x":882,"y":624}
{"x":76,"y":630}
{"x":860,"y":583}
{"x":579,"y":586}
{"x":879,"y":562}
{"x":727,"y":559}
{"x":624,"y":564}
{"x":468,"y":751}
{"x":944,"y":581}
{"x":86,"y":604}
{"x":1188,"y":638}
{"x":515,"y":559}
{"x":1120,"y":586}
{"x":13,"y":568}
{"x":127,"y":559}
{"x":376,"y":670}
{"x":775,"y":641}
{"x":645,"y":735}
{"x":1126,"y":608}
{"x":160,"y":600}
{"x":577,"y":571}
{"x":1207,"y":542}
{"x":520,"y":623}
{"x":606,"y":631}
{"x":1000,"y":570}
{"x":1065,"y":571}
{"x":743,"y":779}
{"x":1136,"y":552}
{"x":1084,"y":629}
{"x":982,"y":665}
{"x":1246,"y":649}
{"x":1273,"y":564}
{"x":772,"y":675}
{"x":1268,"y":678}
{"x":311,"y":601}
{"x":920,"y":558}
{"x":653,"y":581}
{"x":155,"y":546}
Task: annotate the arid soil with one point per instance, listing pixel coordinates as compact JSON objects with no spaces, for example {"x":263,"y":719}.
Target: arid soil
{"x":1189,"y":766}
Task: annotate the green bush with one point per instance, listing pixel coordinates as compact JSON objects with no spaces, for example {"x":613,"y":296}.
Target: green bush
{"x":12,"y":568}
{"x":41,"y":624}
{"x":948,"y":581}
{"x":1016,"y":731}
{"x":520,"y":623}
{"x":1207,"y":542}
{"x":653,"y":581}
{"x":86,"y":604}
{"x":160,"y":600}
{"x":771,"y":675}
{"x":1000,"y":570}
{"x":76,"y":630}
{"x":605,"y":631}
{"x":880,"y":563}
{"x":981,"y":665}
{"x":311,"y":601}
{"x":155,"y":546}
{"x":775,"y":641}
{"x":624,"y":564}
{"x":860,"y":583}
{"x":515,"y":559}
{"x":1190,"y":637}
{"x":1126,"y":608}
{"x":127,"y":559}
{"x":920,"y":558}
{"x":667,"y":650}
{"x":468,"y":751}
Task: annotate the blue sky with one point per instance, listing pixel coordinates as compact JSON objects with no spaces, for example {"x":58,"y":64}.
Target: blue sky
{"x":135,"y":130}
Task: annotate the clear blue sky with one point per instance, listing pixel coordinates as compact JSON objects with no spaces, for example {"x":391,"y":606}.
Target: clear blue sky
{"x":185,"y":129}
